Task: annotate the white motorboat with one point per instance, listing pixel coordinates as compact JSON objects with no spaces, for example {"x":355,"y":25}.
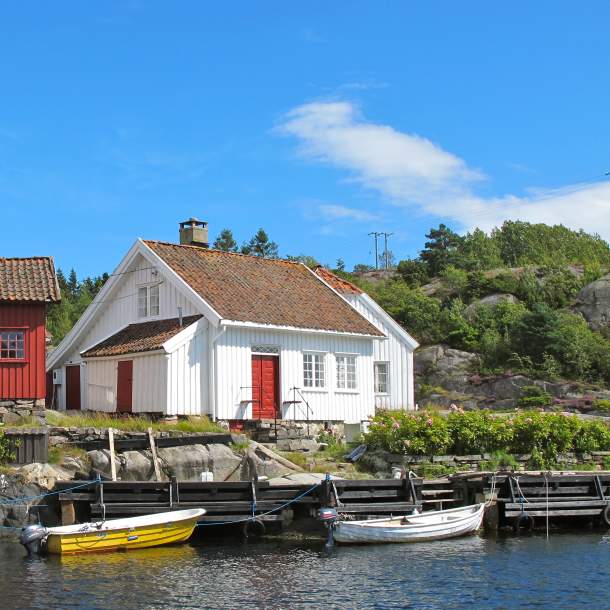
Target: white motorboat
{"x":433,"y":525}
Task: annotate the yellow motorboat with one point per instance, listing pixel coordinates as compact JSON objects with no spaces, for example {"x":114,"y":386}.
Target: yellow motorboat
{"x":114,"y":534}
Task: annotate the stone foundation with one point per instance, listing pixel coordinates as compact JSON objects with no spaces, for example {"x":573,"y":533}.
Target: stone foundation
{"x":383,"y":462}
{"x":288,"y":435}
{"x":14,"y":411}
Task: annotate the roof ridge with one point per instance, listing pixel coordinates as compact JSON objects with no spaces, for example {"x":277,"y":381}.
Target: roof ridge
{"x":25,"y":258}
{"x":223,"y":252}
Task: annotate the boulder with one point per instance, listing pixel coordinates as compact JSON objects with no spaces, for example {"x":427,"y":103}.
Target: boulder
{"x":593,"y":302}
{"x":44,"y":475}
{"x":491,"y":300}
{"x":135,"y":466}
{"x":439,"y":365}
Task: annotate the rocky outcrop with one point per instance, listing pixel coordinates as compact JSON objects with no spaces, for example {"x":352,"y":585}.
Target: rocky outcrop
{"x":448,"y":376}
{"x":491,"y":300}
{"x":593,"y":302}
{"x":186,"y":463}
{"x":439,"y":365}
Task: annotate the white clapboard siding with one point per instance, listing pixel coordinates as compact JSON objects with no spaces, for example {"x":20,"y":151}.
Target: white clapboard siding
{"x":187,"y":368}
{"x":394,"y":350}
{"x":234,"y":375}
{"x":120,"y":309}
{"x":149,"y":383}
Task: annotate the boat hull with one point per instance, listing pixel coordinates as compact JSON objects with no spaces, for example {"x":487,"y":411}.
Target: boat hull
{"x":438,"y":525}
{"x":124,"y":534}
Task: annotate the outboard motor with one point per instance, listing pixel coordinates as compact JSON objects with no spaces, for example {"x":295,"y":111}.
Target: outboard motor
{"x":329,"y":517}
{"x":33,"y":538}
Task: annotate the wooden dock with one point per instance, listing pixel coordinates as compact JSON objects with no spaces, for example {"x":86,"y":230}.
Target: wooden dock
{"x":228,"y":502}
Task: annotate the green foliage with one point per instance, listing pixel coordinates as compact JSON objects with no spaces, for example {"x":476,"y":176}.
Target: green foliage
{"x":500,"y":460}
{"x":543,"y":435}
{"x":534,"y":396}
{"x":260,"y":245}
{"x":6,"y":451}
{"x":441,"y":249}
{"x":602,"y":405}
{"x":225,"y":241}
{"x":414,"y":272}
{"x":411,"y":308}
{"x":423,"y":433}
{"x":75,"y":298}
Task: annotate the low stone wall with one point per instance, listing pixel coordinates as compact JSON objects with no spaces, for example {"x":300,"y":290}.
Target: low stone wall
{"x":14,"y":411}
{"x":383,"y":462}
{"x":290,"y":435}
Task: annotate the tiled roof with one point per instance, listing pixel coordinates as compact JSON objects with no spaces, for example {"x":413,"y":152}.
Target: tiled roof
{"x":28,"y":279}
{"x":262,"y":291}
{"x":140,"y":337}
{"x":338,"y":283}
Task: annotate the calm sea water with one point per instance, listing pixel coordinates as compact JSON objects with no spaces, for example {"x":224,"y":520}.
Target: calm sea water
{"x":569,"y":571}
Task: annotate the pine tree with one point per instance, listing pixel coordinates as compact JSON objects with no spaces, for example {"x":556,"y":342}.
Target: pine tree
{"x":72,"y":284}
{"x":440,"y":250}
{"x":340,"y":265}
{"x":260,"y":245}
{"x":225,"y":241}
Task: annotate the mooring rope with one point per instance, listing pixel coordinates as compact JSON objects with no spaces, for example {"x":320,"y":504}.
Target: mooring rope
{"x":26,"y":499}
{"x":273,"y":510}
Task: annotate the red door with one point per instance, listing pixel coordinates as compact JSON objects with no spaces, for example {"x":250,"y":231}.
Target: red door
{"x":73,"y":387}
{"x":124,"y":386}
{"x":265,"y":387}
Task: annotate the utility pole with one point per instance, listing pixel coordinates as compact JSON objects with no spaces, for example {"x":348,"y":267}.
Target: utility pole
{"x":375,"y":234}
{"x":385,"y":246}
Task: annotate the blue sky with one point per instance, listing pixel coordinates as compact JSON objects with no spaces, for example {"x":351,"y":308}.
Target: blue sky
{"x":318,"y":121}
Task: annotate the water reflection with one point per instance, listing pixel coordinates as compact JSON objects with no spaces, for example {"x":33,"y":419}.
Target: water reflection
{"x":569,"y":571}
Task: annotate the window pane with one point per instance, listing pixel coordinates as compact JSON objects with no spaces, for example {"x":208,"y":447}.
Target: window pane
{"x":142,"y":302}
{"x":154,"y":300}
{"x":12,"y":344}
{"x":313,"y":371}
{"x":346,"y":372}
{"x":382,"y":370}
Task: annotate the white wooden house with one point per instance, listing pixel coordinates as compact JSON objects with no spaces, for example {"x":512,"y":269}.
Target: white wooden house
{"x":187,"y":330}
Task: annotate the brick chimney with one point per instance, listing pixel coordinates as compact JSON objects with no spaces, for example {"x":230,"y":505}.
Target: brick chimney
{"x":194,"y":232}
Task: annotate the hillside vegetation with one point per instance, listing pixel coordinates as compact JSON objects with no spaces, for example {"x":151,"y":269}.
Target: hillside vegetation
{"x":435,"y":297}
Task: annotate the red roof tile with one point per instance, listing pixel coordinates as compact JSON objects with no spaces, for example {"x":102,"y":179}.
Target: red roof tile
{"x":340,"y":284}
{"x":140,"y":337}
{"x":262,"y":291}
{"x":28,"y":279}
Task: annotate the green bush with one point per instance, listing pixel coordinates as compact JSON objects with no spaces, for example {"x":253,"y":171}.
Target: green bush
{"x":422,"y":433}
{"x":6,"y":452}
{"x":534,"y":396}
{"x":602,"y":405}
{"x":543,"y":435}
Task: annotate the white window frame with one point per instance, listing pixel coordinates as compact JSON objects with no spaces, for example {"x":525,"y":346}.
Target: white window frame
{"x":318,"y":362}
{"x":346,"y":380}
{"x":376,"y":377}
{"x":148,"y":301}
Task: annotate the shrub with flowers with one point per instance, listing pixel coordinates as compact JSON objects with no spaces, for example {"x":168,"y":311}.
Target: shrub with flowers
{"x":543,"y":435}
{"x":421,"y":433}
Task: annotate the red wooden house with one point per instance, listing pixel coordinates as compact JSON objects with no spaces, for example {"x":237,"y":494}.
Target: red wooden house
{"x":27,"y":286}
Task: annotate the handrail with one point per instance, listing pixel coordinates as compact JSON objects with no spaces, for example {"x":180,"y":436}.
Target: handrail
{"x":309,"y":409}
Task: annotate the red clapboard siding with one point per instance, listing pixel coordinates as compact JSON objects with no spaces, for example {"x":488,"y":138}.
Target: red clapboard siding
{"x":24,"y":379}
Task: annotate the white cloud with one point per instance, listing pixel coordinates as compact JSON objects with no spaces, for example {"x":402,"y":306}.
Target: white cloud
{"x":341,"y":212}
{"x":414,"y":172}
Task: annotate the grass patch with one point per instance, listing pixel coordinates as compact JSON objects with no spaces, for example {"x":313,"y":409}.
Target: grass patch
{"x":500,"y":460}
{"x":130,"y":424}
{"x":296,"y":457}
{"x":58,"y":454}
{"x":240,"y":447}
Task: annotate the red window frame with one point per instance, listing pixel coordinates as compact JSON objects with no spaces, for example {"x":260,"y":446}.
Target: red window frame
{"x":13,"y":329}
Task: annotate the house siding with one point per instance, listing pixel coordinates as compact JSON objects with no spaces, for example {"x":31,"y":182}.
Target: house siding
{"x":234,"y":375}
{"x":24,"y":380}
{"x":187,"y":370}
{"x":149,"y":383}
{"x":120,"y":309}
{"x":393,"y":350}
